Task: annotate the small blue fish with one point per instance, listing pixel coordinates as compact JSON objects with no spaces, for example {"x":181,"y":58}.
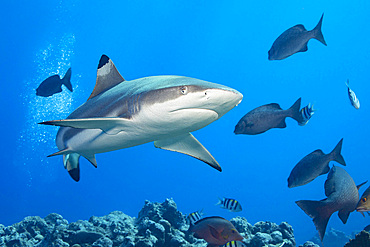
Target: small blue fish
{"x":53,"y":84}
{"x":234,"y":244}
{"x":352,"y":97}
{"x":194,"y":217}
{"x":307,"y":112}
{"x":231,"y":204}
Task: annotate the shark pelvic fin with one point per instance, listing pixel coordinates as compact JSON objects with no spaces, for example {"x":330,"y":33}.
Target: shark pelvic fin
{"x":91,"y":159}
{"x":107,"y":76}
{"x":61,"y":152}
{"x":187,"y":144}
{"x":110,"y":126}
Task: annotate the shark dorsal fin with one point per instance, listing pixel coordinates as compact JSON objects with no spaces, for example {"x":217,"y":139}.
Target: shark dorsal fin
{"x":108,"y":76}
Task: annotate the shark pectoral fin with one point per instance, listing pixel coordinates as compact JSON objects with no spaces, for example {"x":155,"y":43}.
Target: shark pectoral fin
{"x":61,"y":152}
{"x":71,"y":163}
{"x":187,"y":144}
{"x":111,"y":126}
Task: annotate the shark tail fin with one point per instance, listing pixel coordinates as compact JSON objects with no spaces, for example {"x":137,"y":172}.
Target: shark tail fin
{"x":317,"y":33}
{"x":320,"y":213}
{"x":295,"y":111}
{"x":67,"y":80}
{"x":336,"y":153}
{"x":72,"y":164}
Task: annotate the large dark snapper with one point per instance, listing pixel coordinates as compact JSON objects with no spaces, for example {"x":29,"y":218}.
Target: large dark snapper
{"x":306,"y":112}
{"x":230,"y":204}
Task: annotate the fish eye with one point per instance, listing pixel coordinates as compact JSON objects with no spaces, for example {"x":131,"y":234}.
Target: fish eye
{"x":184,"y":90}
{"x":233,"y":231}
{"x":364,"y":199}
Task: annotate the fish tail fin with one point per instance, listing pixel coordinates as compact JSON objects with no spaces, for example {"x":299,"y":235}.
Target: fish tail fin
{"x":317,"y":33}
{"x":67,"y":79}
{"x":320,"y":213}
{"x":336,"y":153}
{"x":220,"y":201}
{"x":295,"y":111}
{"x":347,"y":83}
{"x":72,"y":164}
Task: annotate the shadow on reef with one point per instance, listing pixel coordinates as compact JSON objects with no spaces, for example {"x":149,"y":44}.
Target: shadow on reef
{"x":157,"y":224}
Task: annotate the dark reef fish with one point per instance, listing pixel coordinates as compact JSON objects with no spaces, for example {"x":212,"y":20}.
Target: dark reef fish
{"x":364,"y":204}
{"x":314,"y":165}
{"x":231,"y":204}
{"x":294,"y":40}
{"x":342,"y":194}
{"x":352,"y":97}
{"x":215,"y":231}
{"x":266,"y":117}
{"x":53,"y":84}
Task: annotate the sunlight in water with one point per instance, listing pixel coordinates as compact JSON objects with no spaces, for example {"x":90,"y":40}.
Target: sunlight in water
{"x":35,"y":141}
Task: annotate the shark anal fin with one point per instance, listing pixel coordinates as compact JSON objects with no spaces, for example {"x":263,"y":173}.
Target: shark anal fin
{"x":110,"y":126}
{"x":187,"y":144}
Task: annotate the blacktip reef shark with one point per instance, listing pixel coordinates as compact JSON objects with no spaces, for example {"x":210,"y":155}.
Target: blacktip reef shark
{"x":121,"y":114}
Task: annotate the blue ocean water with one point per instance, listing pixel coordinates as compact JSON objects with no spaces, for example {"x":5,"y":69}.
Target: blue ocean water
{"x":219,"y":41}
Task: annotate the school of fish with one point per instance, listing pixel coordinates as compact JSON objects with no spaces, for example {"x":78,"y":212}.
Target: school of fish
{"x":340,"y":189}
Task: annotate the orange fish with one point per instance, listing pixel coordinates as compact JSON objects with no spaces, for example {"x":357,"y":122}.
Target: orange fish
{"x":215,"y":230}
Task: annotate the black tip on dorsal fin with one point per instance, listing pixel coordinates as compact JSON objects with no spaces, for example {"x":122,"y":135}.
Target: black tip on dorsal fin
{"x":103,"y":61}
{"x":107,"y":76}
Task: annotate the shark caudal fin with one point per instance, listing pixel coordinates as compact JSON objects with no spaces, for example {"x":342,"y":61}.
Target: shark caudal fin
{"x":336,"y":153}
{"x":72,"y":164}
{"x":67,"y":80}
{"x":320,"y":213}
{"x":294,"y":111}
{"x":317,"y":33}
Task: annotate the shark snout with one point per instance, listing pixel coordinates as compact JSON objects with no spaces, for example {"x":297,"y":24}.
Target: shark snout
{"x":222,"y":101}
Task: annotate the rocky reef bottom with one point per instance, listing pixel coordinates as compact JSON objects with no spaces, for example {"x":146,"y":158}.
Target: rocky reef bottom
{"x":157,"y":224}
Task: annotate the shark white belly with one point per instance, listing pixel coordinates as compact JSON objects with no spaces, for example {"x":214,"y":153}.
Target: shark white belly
{"x":121,"y":114}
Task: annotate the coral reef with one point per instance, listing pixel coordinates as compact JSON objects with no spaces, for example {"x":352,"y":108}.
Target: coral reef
{"x":157,"y":224}
{"x":361,"y":239}
{"x":333,"y":238}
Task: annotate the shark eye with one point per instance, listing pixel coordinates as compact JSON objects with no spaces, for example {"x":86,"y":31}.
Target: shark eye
{"x":184,"y":90}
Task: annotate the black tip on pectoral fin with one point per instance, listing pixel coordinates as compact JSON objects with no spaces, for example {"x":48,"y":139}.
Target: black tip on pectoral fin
{"x":75,"y":174}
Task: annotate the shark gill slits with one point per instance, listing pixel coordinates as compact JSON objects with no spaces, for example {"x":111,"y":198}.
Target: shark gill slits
{"x":103,"y":61}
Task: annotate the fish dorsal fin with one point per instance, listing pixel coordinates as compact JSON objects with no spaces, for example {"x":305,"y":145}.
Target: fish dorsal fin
{"x":272,"y":106}
{"x":300,"y":27}
{"x":330,"y":182}
{"x":107,"y":76}
{"x":359,"y":186}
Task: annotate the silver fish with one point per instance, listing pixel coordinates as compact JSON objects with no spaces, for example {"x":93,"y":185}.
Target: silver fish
{"x":266,"y":117}
{"x":342,"y":195}
{"x":53,"y":84}
{"x":306,"y":112}
{"x":314,"y":165}
{"x":122,"y":114}
{"x":352,"y":97}
{"x":294,"y":40}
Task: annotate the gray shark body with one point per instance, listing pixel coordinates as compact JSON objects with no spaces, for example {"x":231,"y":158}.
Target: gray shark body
{"x":121,"y":114}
